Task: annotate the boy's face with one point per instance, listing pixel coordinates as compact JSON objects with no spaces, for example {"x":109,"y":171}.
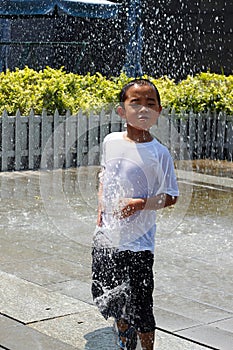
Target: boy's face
{"x":141,"y":108}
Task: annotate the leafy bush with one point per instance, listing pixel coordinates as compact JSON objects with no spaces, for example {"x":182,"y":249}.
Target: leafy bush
{"x":55,"y":89}
{"x":203,"y":92}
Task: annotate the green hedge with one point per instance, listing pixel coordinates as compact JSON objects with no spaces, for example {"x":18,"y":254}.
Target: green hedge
{"x":50,"y":89}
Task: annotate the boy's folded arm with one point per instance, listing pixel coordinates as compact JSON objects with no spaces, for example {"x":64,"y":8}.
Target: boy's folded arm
{"x":154,"y":203}
{"x":160,"y":201}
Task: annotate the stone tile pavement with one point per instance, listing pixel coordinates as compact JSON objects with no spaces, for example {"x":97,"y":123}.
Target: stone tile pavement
{"x":45,"y":300}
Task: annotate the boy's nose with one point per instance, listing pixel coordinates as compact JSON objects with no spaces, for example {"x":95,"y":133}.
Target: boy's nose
{"x":144,"y":108}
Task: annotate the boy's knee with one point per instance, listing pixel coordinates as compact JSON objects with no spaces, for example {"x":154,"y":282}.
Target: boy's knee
{"x":122,"y":325}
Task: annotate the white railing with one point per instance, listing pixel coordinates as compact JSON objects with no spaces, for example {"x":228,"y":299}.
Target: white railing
{"x":33,"y":142}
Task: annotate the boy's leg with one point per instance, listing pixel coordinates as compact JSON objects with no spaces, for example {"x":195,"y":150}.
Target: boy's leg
{"x":127,"y":335}
{"x":142,"y":284}
{"x":122,"y":327}
{"x":110,"y":286}
{"x":147,"y":340}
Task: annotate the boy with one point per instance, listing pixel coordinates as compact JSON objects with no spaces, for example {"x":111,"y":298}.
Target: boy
{"x":137,"y":179}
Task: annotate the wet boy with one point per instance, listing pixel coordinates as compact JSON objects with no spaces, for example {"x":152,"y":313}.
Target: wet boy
{"x":137,"y":179}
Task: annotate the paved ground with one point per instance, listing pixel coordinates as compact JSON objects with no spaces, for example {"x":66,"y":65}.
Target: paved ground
{"x":45,"y":300}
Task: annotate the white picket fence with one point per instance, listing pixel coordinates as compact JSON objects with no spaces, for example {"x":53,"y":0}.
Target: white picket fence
{"x":48,"y":142}
{"x":205,"y":135}
{"x":32,"y":142}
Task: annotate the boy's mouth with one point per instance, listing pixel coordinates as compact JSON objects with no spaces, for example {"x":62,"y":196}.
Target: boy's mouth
{"x":143,"y":117}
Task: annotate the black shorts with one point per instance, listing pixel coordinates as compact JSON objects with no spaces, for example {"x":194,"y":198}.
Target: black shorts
{"x":122,"y":286}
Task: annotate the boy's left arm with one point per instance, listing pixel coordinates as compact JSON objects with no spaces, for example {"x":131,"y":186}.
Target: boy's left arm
{"x":160,"y":201}
{"x":154,"y":203}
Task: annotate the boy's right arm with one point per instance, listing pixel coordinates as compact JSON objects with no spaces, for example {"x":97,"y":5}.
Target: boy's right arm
{"x":100,"y":206}
{"x":99,"y":214}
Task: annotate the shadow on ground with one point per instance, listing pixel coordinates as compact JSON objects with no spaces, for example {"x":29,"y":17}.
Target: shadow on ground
{"x":100,"y":339}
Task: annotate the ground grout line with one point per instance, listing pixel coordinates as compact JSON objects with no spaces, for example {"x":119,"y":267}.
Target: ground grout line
{"x":13,"y":319}
{"x":50,"y":318}
{"x":220,"y":320}
{"x":187,"y":339}
{"x":208,"y":304}
{"x":204,"y":178}
{"x":201,"y":184}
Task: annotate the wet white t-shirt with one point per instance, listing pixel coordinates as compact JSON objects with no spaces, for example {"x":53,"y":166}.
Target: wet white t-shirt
{"x":132,"y":170}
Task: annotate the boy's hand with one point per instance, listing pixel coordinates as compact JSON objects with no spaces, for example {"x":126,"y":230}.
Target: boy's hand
{"x":130,"y":206}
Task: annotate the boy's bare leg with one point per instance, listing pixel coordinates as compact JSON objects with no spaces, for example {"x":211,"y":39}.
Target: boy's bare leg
{"x":147,"y":340}
{"x":122,"y":326}
{"x":128,"y":334}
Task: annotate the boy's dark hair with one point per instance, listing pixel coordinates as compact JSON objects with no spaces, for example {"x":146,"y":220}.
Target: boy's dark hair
{"x":141,"y":82}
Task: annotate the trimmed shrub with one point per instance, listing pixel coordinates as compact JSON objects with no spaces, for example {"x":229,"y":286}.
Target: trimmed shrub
{"x":52,"y":89}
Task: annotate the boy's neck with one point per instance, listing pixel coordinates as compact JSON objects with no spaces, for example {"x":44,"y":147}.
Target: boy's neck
{"x":137,"y":135}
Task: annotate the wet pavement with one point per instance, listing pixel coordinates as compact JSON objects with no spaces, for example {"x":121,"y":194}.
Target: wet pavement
{"x":47,"y":220}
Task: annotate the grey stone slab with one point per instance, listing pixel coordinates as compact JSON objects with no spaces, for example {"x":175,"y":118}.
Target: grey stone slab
{"x":24,"y":222}
{"x":203,"y":178}
{"x":213,"y":297}
{"x":166,"y":341}
{"x":211,"y":336}
{"x":182,"y":271}
{"x":172,"y":321}
{"x":70,"y":250}
{"x":52,"y":242}
{"x":181,"y":259}
{"x":78,"y":221}
{"x":181,"y":262}
{"x":224,"y":258}
{"x":226,"y":325}
{"x":35,"y":231}
{"x":196,"y":311}
{"x":28,"y":302}
{"x":90,"y":331}
{"x":191,"y":240}
{"x":76,"y":289}
{"x":48,"y":270}
{"x":14,"y":251}
{"x":85,"y":330}
{"x":171,"y":279}
{"x":15,"y":336}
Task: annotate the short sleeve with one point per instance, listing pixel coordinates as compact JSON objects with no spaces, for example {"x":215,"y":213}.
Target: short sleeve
{"x":167,"y":177}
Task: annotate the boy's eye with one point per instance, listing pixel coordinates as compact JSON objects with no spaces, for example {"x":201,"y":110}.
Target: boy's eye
{"x":134,"y":105}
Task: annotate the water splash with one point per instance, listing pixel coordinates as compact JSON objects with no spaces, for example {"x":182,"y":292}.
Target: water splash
{"x":179,"y":38}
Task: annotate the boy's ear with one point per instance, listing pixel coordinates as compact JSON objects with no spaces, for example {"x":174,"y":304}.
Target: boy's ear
{"x":121,"y":112}
{"x":160,"y":110}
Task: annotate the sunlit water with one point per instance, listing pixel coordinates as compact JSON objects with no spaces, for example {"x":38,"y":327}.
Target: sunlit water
{"x":66,"y":201}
